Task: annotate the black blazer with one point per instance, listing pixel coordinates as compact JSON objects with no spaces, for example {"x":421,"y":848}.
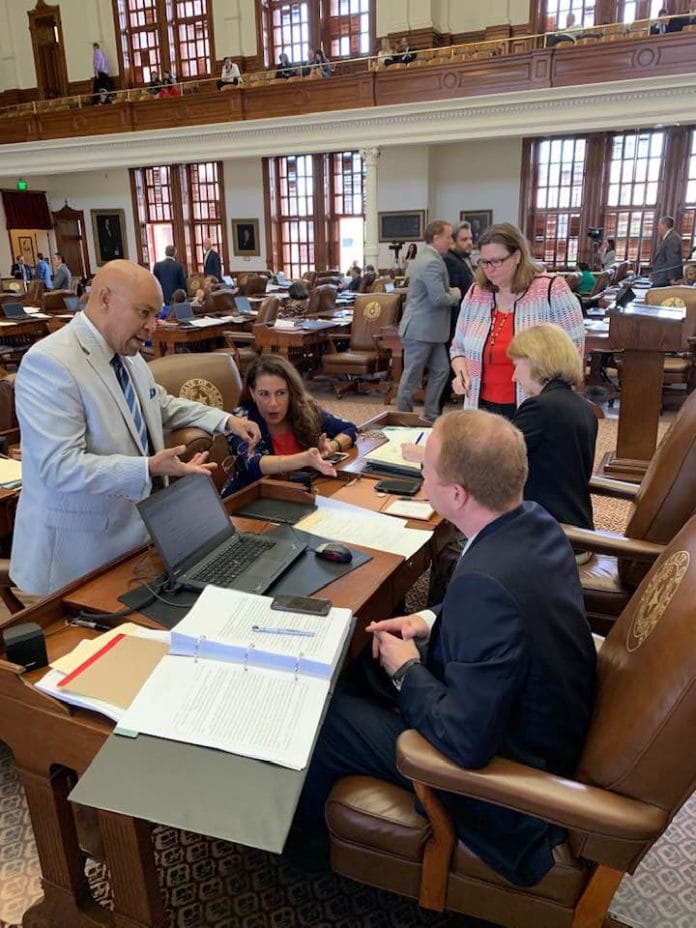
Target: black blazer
{"x":171,"y":277}
{"x":560,"y":430}
{"x":460,"y":275}
{"x":510,"y":670}
{"x":213,"y":265}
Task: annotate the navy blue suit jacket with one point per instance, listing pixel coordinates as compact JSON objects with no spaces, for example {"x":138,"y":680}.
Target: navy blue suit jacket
{"x":560,"y":430}
{"x":510,"y":671}
{"x":171,"y":277}
{"x":213,"y":265}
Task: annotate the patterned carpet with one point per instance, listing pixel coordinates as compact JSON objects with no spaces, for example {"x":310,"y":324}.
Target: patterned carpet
{"x":212,"y":884}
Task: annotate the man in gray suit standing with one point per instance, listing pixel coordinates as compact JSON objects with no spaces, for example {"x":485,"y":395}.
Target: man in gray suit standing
{"x":92,"y":421}
{"x":667,"y":260}
{"x":425,"y":325}
{"x":62,"y":278}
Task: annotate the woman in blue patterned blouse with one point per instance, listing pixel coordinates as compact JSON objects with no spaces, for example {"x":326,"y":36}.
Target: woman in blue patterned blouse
{"x":295,"y":431}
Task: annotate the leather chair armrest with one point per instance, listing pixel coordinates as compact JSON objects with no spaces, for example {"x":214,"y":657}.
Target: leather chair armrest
{"x":554,"y":799}
{"x":600,"y":542}
{"x":619,"y":489}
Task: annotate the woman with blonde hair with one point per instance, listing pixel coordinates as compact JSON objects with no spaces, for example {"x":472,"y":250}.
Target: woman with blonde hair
{"x":510,"y":294}
{"x":558,"y":424}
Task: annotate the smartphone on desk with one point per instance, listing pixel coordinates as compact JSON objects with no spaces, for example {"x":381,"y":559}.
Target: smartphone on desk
{"x":308,"y":605}
{"x":336,"y":457}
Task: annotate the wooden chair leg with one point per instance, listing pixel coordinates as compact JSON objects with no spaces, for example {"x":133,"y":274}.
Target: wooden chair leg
{"x":438,"y":850}
{"x":593,"y":908}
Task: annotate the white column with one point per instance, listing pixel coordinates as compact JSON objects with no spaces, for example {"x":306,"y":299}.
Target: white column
{"x":371,"y":157}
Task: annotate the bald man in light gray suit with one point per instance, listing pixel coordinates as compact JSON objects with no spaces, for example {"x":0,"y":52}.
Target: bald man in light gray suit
{"x":425,"y":325}
{"x":90,"y":450}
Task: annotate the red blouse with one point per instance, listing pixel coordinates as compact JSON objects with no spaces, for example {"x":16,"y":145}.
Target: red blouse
{"x":497,"y":368}
{"x":285,"y":444}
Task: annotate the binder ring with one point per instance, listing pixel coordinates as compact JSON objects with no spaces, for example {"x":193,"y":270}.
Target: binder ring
{"x":196,"y":646}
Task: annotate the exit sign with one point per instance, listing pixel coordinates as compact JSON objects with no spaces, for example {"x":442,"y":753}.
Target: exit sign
{"x":22,"y":185}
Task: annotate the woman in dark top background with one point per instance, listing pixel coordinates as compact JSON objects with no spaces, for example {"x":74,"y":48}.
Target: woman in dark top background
{"x":558,"y":424}
{"x":295,"y":431}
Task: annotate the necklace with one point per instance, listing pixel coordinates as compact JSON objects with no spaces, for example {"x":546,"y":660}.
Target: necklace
{"x":499,"y":320}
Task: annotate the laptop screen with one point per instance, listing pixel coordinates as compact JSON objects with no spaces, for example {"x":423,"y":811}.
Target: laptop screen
{"x":72,"y":303}
{"x":243,"y":304}
{"x":13,"y":310}
{"x":226,"y":279}
{"x":281,"y":278}
{"x":186,"y":520}
{"x":389,"y":288}
{"x":181,"y":311}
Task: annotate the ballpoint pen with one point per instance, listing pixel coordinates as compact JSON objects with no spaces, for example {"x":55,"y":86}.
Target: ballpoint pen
{"x":96,"y":626}
{"x":419,"y":438}
{"x":275,"y":630}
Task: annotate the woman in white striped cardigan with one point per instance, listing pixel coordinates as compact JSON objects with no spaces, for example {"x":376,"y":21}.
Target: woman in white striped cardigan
{"x":509,"y":294}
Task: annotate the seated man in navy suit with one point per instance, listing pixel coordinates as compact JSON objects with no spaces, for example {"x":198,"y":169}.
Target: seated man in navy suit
{"x":504,"y":666}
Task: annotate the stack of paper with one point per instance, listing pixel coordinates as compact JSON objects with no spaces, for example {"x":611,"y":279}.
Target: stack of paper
{"x":354,"y":525}
{"x":389,"y":457}
{"x":10,"y":473}
{"x":243,"y":678}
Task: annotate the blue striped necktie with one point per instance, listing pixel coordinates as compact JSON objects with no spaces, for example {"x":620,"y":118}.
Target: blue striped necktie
{"x":129,"y":392}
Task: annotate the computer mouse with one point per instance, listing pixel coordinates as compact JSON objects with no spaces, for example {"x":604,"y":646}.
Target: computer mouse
{"x":332,"y":551}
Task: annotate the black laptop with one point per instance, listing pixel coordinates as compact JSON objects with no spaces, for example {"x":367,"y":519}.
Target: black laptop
{"x":192,"y":531}
{"x":181,"y":313}
{"x":15,"y":311}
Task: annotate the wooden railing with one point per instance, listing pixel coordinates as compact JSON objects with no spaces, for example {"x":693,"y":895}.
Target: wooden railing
{"x":367,"y":82}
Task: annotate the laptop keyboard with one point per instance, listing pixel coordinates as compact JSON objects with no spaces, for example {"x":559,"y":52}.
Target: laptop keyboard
{"x":231,"y":562}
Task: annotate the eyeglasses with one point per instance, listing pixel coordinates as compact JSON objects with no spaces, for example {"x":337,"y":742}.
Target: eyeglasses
{"x":230,"y":461}
{"x":494,"y":262}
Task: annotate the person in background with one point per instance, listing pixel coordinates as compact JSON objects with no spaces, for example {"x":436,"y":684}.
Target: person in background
{"x":20,"y":270}
{"x":509,"y":294}
{"x":296,"y":303}
{"x":425,"y":325}
{"x":285,"y":68}
{"x":62,"y":278}
{"x":101,"y":70}
{"x":385,"y":54}
{"x":355,"y":274}
{"x":170,"y":273}
{"x":320,"y":63}
{"x":689,"y":279}
{"x":661,"y":25}
{"x":504,"y":665}
{"x":179,"y":296}
{"x":411,"y":254}
{"x":402,"y":52}
{"x":42,"y":271}
{"x":230,"y":75}
{"x":607,"y":255}
{"x":587,"y":278}
{"x":461,"y":275}
{"x":92,"y":424}
{"x":295,"y":431}
{"x":667,"y":260}
{"x":559,"y":426}
{"x":105,"y":97}
{"x":212,"y":264}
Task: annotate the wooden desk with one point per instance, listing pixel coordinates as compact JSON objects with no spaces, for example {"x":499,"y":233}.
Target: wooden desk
{"x":301,"y":347}
{"x":52,"y":743}
{"x":644,"y":333}
{"x":167,"y":337}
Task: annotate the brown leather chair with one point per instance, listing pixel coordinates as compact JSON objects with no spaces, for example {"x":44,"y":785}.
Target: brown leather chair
{"x":219,"y":301}
{"x":211,"y":378}
{"x":9,"y":424}
{"x":194,"y":282}
{"x":322,"y":298}
{"x":255,"y":284}
{"x":54,"y":302}
{"x":310,"y":277}
{"x":635,"y":772}
{"x":371,"y":313}
{"x":242,"y":346}
{"x":34,"y":294}
{"x":366,"y":282}
{"x":662,"y":503}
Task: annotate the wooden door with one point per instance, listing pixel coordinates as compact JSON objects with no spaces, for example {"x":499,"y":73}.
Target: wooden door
{"x":49,"y":50}
{"x":69,"y":226}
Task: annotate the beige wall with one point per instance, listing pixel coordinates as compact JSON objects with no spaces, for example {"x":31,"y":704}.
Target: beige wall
{"x":448,"y":15}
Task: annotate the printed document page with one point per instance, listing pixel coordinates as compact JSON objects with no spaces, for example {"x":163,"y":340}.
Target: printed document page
{"x":265,"y":714}
{"x":390,"y":452}
{"x":354,"y":525}
{"x":221,"y":624}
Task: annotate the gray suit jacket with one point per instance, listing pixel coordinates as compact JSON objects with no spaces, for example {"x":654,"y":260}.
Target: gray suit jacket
{"x":668,"y":260}
{"x":82,"y":467}
{"x":427,"y":314}
{"x":62,"y":278}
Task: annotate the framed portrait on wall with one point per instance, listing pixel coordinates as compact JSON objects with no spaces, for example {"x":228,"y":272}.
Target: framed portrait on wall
{"x":478,"y":219}
{"x":245,"y":238}
{"x":109,"y":227}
